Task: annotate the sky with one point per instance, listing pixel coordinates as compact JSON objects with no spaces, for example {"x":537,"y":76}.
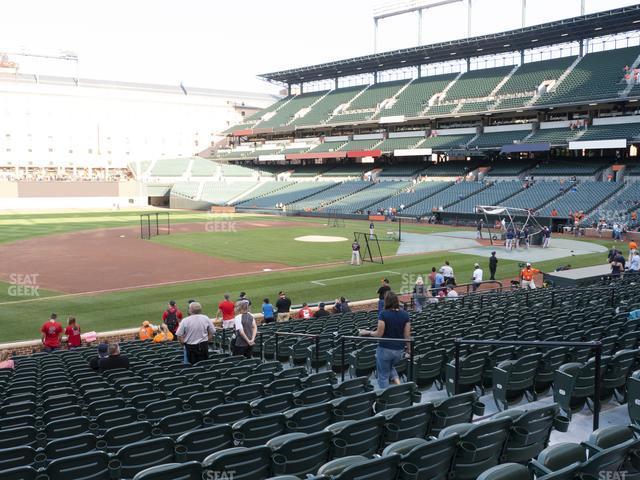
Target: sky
{"x":225,"y":43}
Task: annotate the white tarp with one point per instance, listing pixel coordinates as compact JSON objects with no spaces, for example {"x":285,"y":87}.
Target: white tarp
{"x":598,"y":144}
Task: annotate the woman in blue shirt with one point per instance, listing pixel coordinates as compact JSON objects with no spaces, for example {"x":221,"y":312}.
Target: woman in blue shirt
{"x":393,"y":323}
{"x":267,"y":311}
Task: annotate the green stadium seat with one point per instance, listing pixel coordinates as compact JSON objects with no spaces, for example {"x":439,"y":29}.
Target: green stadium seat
{"x":353,"y":407}
{"x":229,"y":413}
{"x":251,"y":432}
{"x":454,"y":410}
{"x":406,"y":422}
{"x":272,"y":404}
{"x":139,"y":456}
{"x":245,"y":463}
{"x":90,"y":465}
{"x":171,"y":471}
{"x":430,"y":459}
{"x":471,"y":370}
{"x":359,"y":467}
{"x":198,"y":444}
{"x":17,"y":457}
{"x":176,"y":424}
{"x":513,"y":379}
{"x":506,"y":471}
{"x":118,"y":437}
{"x":299,"y":454}
{"x":357,"y":437}
{"x":309,"y":419}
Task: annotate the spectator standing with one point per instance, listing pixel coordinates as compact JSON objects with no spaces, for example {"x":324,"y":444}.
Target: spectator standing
{"x":243,"y":298}
{"x":344,"y":305}
{"x":439,"y":283}
{"x":355,"y":253}
{"x":476,"y":278}
{"x":114,"y":360}
{"x":616,"y":267}
{"x":226,"y":311}
{"x":371,"y":230}
{"x":103,"y":352}
{"x":304,"y":312}
{"x":164,"y":335}
{"x":634,"y":262}
{"x":267,"y":311}
{"x":321,"y":312}
{"x":382,"y":291}
{"x":73,"y":334}
{"x":172,"y":317}
{"x":195,"y":332}
{"x":393,"y":324}
{"x":633,"y":247}
{"x":51,"y":332}
{"x":419,"y":294}
{"x":432,"y":281}
{"x":452,"y":294}
{"x":526,"y":277}
{"x":283,"y":305}
{"x":493,"y":265}
{"x":245,"y":330}
{"x":447,"y":273}
{"x":6,"y":361}
{"x":146,"y":331}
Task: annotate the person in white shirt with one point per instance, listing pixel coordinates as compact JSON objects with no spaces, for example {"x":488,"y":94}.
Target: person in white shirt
{"x":447,"y":273}
{"x":634,"y":263}
{"x":452,"y":293}
{"x":477,"y":277}
{"x":245,"y":330}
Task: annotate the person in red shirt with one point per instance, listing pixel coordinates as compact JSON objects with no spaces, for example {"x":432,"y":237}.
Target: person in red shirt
{"x":304,"y":312}
{"x":73,"y":334}
{"x":226,"y":310}
{"x":51,"y":332}
{"x":172,"y":317}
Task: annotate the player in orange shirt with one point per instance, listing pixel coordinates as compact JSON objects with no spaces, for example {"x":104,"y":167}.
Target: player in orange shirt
{"x":526,"y":277}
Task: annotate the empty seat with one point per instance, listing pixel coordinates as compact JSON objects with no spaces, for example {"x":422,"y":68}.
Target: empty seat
{"x":19,"y":436}
{"x":198,"y":444}
{"x":114,"y":418}
{"x":481,"y":446}
{"x":17,"y":457}
{"x":245,"y":393}
{"x":258,"y":431}
{"x":309,"y":419}
{"x":229,"y":413}
{"x":172,"y":471}
{"x":573,"y":384}
{"x":299,"y":453}
{"x":453,"y":410}
{"x":206,"y":400}
{"x":357,"y":437}
{"x":408,"y":422}
{"x":359,"y":467}
{"x":90,"y":465}
{"x":352,"y":387}
{"x":245,"y":463}
{"x":471,"y":370}
{"x":138,"y":456}
{"x":66,"y":427}
{"x":176,"y":424}
{"x":397,"y":396}
{"x":530,"y":431}
{"x":354,"y":407}
{"x":117,"y":437}
{"x":512,"y":379}
{"x":507,"y":471}
{"x":157,"y":410}
{"x":315,"y":394}
{"x":272,"y":404}
{"x":425,"y":459}
{"x":67,"y":446}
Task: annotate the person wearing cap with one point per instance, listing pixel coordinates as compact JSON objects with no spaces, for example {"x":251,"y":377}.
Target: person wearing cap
{"x":103,"y":352}
{"x":195,"y":332}
{"x":283,"y":305}
{"x":476,"y":278}
{"x":172,"y":317}
{"x":419,"y":294}
{"x":493,"y":265}
{"x":146,"y":331}
{"x":355,"y":253}
{"x":546,"y":237}
{"x":526,"y":277}
{"x":321,"y":312}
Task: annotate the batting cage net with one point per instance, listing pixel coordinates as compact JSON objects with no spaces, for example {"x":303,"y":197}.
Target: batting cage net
{"x":154,"y":224}
{"x":369,"y":247}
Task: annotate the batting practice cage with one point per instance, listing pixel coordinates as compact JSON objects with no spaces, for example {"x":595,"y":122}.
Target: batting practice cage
{"x":369,"y":247}
{"x":498,"y":219}
{"x":334,"y":219}
{"x":154,"y":224}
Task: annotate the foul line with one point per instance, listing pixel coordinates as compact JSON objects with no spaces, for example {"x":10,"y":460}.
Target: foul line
{"x":319,"y":282}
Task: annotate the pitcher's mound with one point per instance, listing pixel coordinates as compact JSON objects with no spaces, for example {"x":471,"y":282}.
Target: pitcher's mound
{"x":321,"y":239}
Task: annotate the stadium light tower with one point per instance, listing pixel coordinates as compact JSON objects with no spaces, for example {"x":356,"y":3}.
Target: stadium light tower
{"x":394,"y":8}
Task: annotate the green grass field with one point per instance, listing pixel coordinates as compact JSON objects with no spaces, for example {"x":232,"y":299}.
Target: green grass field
{"x":129,"y":308}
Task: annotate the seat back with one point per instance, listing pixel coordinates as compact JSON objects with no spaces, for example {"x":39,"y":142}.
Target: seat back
{"x":354,"y":407}
{"x":428,"y":459}
{"x":90,"y":465}
{"x":357,"y":437}
{"x":397,"y":396}
{"x":409,"y":422}
{"x":138,"y":456}
{"x":309,"y":419}
{"x":172,"y":471}
{"x":251,"y":432}
{"x":300,"y":454}
{"x":453,"y":410}
{"x":245,"y":463}
{"x":198,"y":444}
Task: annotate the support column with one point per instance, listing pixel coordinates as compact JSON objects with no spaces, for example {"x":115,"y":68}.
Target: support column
{"x":335,"y":83}
{"x":524,"y":13}
{"x":289,"y":89}
{"x":301,"y":87}
{"x":468,"y":64}
{"x":582,"y":9}
{"x":419,"y":27}
{"x":521,"y":57}
{"x":469,"y":19}
{"x":375,"y":35}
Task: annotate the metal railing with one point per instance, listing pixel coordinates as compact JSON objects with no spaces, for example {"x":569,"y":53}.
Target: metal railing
{"x":596,"y":346}
{"x":316,"y":338}
{"x":410,"y":341}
